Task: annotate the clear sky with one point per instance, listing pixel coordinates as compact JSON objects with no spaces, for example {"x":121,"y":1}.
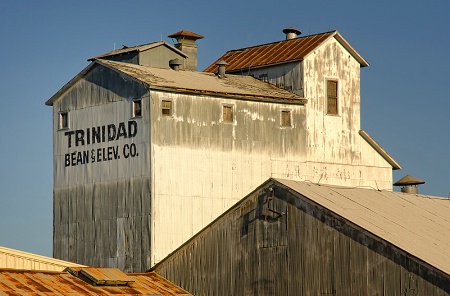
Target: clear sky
{"x":44,"y":44}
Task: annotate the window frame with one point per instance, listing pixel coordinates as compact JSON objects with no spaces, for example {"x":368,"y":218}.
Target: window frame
{"x":282,"y":117}
{"x":63,"y":120}
{"x":331,"y":97}
{"x":163,"y":108}
{"x":228,"y":107}
{"x":134,"y":104}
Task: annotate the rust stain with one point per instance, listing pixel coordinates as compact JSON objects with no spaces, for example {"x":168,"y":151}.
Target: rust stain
{"x":26,"y":282}
{"x":271,"y":53}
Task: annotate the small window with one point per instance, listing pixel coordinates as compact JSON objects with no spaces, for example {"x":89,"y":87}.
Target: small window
{"x":227,"y":113}
{"x":63,"y":120}
{"x":332,"y":97}
{"x":286,"y":118}
{"x":166,"y":108}
{"x":137,"y":108}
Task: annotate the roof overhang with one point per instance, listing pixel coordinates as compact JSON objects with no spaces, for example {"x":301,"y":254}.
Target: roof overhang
{"x":395,"y":165}
{"x":350,"y":49}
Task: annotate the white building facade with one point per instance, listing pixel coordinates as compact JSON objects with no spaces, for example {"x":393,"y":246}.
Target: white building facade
{"x":146,"y":157}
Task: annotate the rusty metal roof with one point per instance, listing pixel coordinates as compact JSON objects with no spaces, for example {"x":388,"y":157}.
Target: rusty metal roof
{"x":279,"y":52}
{"x":27,"y":282}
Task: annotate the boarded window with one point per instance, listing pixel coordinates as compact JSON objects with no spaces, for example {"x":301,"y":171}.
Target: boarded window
{"x":166,"y":108}
{"x":286,"y":118}
{"x":137,"y":108}
{"x":227,"y":114}
{"x":63,"y":120}
{"x":332,"y":97}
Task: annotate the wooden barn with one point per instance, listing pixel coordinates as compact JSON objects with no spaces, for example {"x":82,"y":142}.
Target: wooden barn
{"x":147,"y":151}
{"x":299,"y":238}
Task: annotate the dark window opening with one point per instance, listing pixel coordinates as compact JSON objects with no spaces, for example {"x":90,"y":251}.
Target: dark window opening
{"x":137,"y":108}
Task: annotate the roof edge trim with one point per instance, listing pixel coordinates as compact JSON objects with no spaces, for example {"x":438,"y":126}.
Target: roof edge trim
{"x":371,"y":141}
{"x":352,"y":51}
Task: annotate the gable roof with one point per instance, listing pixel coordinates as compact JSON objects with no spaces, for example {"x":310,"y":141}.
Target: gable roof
{"x":27,"y":282}
{"x":280,"y":52}
{"x":138,"y":48}
{"x":412,"y":223}
{"x":242,"y":87}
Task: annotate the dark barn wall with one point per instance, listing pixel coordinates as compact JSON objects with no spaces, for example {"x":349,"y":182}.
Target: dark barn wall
{"x":102,"y":205}
{"x":289,"y":246}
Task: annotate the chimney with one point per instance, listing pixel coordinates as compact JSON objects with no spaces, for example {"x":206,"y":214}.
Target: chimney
{"x":186,"y":43}
{"x":175,"y":64}
{"x":221,"y":70}
{"x":291,"y":33}
{"x":409,"y":184}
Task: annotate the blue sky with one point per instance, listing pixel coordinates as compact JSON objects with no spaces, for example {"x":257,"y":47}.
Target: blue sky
{"x":43,"y":44}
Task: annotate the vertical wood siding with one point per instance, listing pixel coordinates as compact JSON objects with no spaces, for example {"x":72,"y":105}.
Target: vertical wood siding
{"x":102,"y":209}
{"x":248,"y":252}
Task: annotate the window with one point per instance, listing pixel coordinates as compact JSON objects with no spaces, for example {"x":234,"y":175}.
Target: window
{"x":63,"y":120}
{"x":227,"y":113}
{"x":286,"y":118}
{"x":137,"y":108}
{"x":332,"y":97}
{"x":166,"y":108}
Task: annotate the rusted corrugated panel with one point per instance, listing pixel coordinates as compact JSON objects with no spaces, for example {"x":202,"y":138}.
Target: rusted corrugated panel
{"x":25,"y":282}
{"x":271,"y":53}
{"x":279,"y":52}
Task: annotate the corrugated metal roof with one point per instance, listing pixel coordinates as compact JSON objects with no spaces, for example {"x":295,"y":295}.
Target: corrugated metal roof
{"x":417,"y":224}
{"x":279,"y":52}
{"x":26,"y":282}
{"x":139,"y":48}
{"x":204,"y":83}
{"x":242,"y":87}
{"x":10,"y":258}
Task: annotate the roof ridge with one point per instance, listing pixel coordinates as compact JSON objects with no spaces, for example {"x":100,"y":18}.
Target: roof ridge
{"x":282,"y":41}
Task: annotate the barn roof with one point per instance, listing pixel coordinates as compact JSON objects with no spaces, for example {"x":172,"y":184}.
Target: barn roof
{"x":280,"y":52}
{"x":27,"y":282}
{"x":415,"y":224}
{"x":243,"y":87}
{"x":139,"y":48}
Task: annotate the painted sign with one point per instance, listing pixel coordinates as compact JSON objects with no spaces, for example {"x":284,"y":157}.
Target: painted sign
{"x":100,"y":134}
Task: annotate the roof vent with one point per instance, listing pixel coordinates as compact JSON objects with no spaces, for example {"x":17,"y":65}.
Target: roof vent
{"x":409,"y":184}
{"x":175,"y":64}
{"x":291,"y":33}
{"x":101,"y":276}
{"x":222,"y":67}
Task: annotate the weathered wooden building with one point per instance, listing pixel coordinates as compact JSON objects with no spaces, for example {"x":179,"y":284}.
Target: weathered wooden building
{"x":146,"y":156}
{"x":299,"y":238}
